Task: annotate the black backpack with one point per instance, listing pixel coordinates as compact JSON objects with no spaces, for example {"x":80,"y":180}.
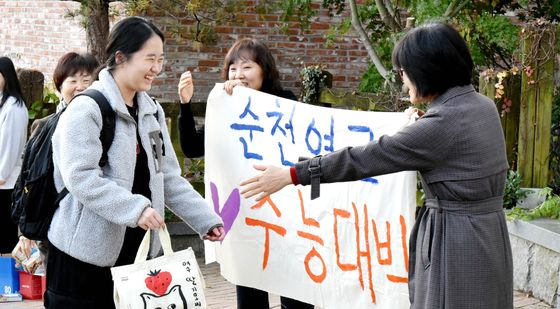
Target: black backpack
{"x":35,"y":199}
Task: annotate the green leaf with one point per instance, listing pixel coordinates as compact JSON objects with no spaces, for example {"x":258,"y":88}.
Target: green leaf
{"x":513,"y":191}
{"x":550,"y":208}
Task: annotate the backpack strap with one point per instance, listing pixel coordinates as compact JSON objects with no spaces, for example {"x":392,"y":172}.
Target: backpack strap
{"x":108,"y":129}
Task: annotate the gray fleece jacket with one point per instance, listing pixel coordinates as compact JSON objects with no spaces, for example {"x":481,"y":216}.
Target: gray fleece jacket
{"x":91,"y":221}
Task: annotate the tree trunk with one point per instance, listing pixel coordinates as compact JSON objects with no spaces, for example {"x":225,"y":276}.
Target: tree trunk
{"x":97,"y":27}
{"x":356,"y":23}
{"x":454,"y":8}
{"x":386,"y":16}
{"x":31,"y":82}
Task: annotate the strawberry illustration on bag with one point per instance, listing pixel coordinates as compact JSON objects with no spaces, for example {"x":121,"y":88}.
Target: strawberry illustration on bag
{"x":158,"y":281}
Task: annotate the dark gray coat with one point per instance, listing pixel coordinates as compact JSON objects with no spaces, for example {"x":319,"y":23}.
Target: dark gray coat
{"x":460,"y":255}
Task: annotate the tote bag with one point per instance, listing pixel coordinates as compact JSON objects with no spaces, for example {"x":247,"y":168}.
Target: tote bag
{"x":169,"y":281}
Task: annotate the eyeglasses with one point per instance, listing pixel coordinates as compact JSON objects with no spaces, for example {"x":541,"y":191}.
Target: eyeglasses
{"x":399,"y":72}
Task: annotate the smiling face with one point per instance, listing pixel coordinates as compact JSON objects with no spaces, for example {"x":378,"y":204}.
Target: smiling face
{"x":2,"y":82}
{"x":248,"y":72}
{"x":75,"y":84}
{"x":141,"y":68}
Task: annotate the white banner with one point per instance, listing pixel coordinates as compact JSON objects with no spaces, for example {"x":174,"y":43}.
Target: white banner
{"x":346,"y":249}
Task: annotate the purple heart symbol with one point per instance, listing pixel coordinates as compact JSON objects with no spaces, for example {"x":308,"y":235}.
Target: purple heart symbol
{"x":231,"y":207}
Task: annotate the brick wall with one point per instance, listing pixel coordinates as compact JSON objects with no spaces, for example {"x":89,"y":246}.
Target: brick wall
{"x":34,"y":34}
{"x":39,"y":34}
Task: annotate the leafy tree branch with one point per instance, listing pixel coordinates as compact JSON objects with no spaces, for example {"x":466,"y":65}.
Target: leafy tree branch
{"x":357,"y":24}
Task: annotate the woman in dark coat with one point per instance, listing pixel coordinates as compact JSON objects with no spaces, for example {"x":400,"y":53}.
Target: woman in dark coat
{"x":460,"y":254}
{"x":248,"y":63}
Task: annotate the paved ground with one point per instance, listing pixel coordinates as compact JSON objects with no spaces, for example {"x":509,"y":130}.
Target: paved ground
{"x":220,"y":294}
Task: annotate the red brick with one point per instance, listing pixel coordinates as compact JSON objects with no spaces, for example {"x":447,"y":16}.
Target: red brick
{"x":209,"y":63}
{"x":319,"y":26}
{"x":315,"y":52}
{"x":241,"y":30}
{"x":270,"y":17}
{"x":255,"y":24}
{"x":287,"y":45}
{"x":223,"y":29}
{"x":246,"y":16}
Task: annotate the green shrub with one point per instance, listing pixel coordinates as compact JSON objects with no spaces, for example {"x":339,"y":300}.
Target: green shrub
{"x":513,"y":191}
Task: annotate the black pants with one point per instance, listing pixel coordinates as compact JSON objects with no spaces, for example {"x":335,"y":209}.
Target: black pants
{"x":250,"y":298}
{"x":72,"y":283}
{"x":8,"y":229}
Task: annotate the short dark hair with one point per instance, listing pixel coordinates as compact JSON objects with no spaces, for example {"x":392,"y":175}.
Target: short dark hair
{"x":11,"y":86}
{"x":128,"y":36}
{"x":254,"y":50}
{"x":72,"y":63}
{"x":435,"y":58}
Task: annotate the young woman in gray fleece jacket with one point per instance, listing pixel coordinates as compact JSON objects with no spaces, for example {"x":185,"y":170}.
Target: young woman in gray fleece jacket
{"x":101,"y":222}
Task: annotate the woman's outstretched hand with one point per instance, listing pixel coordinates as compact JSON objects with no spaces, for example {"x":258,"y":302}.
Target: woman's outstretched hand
{"x":271,"y":180}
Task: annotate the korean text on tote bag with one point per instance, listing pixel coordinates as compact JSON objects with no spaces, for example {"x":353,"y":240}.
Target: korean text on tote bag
{"x":169,"y":281}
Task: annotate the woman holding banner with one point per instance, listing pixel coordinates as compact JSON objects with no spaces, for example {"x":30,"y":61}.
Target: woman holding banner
{"x":460,"y":254}
{"x":248,"y":63}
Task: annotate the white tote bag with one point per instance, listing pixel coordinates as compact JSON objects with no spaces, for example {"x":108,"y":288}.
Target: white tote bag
{"x":169,"y":281}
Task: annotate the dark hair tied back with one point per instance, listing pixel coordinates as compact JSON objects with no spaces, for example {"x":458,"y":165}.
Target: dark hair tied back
{"x":128,"y":36}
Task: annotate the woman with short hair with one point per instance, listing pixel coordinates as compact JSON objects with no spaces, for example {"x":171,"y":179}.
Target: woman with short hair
{"x":460,"y":254}
{"x":73,"y":73}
